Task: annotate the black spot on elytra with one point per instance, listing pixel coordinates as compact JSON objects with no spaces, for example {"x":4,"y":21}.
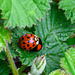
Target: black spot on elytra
{"x":24,"y":48}
{"x":28,"y":37}
{"x":22,"y":38}
{"x":30,"y":48}
{"x":31,"y":34}
{"x":33,"y":44}
{"x":27,"y":45}
{"x":23,"y":42}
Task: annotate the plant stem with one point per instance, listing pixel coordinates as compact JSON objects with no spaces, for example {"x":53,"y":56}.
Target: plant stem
{"x":22,"y":69}
{"x":69,"y":64}
{"x":11,"y":62}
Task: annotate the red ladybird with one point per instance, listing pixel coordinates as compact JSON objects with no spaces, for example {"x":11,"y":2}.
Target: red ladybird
{"x":30,"y":42}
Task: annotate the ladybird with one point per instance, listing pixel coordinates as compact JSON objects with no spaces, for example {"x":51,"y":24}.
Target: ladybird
{"x":30,"y":42}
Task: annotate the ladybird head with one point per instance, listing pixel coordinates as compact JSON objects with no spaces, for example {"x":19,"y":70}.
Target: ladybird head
{"x":39,"y":46}
{"x":36,"y":39}
{"x":38,"y":43}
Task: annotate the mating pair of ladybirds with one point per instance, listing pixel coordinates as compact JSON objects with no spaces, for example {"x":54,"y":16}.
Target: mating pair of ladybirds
{"x":30,"y":42}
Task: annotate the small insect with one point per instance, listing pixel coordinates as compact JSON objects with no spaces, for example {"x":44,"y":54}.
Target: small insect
{"x":30,"y":42}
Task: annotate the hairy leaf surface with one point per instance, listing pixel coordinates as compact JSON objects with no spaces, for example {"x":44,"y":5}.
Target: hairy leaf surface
{"x":54,"y":22}
{"x":71,"y":58}
{"x":23,"y":12}
{"x":58,"y":72}
{"x":4,"y":69}
{"x":4,"y":35}
{"x":69,"y":7}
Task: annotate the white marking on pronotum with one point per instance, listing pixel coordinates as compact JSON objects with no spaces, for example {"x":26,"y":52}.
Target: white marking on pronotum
{"x":36,"y":39}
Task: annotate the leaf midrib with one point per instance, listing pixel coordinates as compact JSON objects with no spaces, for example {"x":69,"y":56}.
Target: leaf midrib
{"x":52,"y":32}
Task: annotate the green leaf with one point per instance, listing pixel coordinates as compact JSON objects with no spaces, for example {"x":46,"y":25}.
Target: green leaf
{"x":71,"y":41}
{"x":54,"y":22}
{"x":58,"y":72}
{"x":4,"y":69}
{"x":69,"y":64}
{"x":69,"y":7}
{"x":23,"y":12}
{"x":1,"y":20}
{"x":4,"y":35}
{"x":71,"y":58}
{"x":3,"y":55}
{"x":0,"y":14}
{"x":12,"y":51}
